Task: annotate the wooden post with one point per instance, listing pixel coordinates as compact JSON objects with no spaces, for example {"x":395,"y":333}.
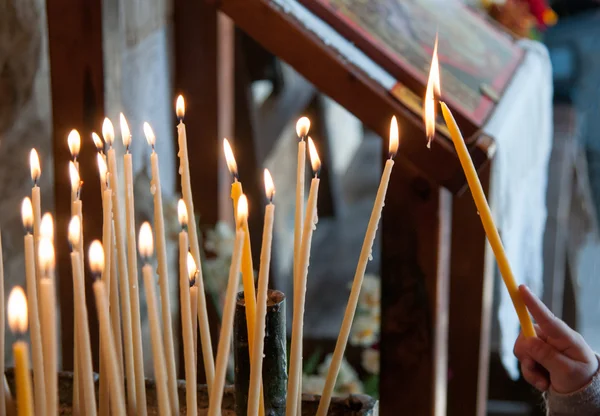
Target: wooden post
{"x":471,"y":292}
{"x":77,"y":84}
{"x":414,"y":304}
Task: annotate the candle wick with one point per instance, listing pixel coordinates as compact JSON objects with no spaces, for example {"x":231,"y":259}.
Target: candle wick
{"x":236,"y":177}
{"x":153,"y":151}
{"x":193,"y":280}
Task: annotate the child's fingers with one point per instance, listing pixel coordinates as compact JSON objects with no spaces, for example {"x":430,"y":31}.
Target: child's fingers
{"x":548,"y":323}
{"x":534,"y":375}
{"x":547,"y":356}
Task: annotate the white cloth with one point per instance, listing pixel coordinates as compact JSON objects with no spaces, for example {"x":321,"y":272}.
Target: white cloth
{"x":522,"y":128}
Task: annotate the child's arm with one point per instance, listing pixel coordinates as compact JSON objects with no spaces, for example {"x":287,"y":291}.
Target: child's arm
{"x":560,"y":362}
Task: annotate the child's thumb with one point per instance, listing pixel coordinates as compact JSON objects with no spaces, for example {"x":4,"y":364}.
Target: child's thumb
{"x":547,"y":356}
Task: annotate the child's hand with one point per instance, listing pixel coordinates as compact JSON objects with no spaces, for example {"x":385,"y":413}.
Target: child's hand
{"x":559,"y":358}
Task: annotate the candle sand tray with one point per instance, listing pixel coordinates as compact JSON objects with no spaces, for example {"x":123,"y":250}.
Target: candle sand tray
{"x":354,"y":405}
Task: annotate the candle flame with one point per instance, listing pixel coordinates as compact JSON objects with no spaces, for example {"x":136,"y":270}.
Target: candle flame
{"x":74,"y":231}
{"x":108,"y":131}
{"x":47,"y":226}
{"x":314,"y":157}
{"x":16,"y":311}
{"x":27,"y":214}
{"x":98,"y":142}
{"x":149,"y":133}
{"x":231,"y":163}
{"x":96,"y":256}
{"x":192,"y":268}
{"x":432,"y":93}
{"x":125,"y":132}
{"x":394,"y":137}
{"x":102,"y":168}
{"x":242,"y":209}
{"x":180,"y":107}
{"x":74,"y":142}
{"x":269,"y":185}
{"x":46,"y":256}
{"x":302,"y":127}
{"x":145,"y":240}
{"x":182,"y":213}
{"x":74,"y":176}
{"x":34,"y":165}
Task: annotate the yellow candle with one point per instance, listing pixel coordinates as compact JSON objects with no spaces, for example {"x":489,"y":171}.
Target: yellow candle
{"x":216,"y":395}
{"x":119,"y":226}
{"x":186,"y":315}
{"x":163,"y":273}
{"x":34,"y":322}
{"x":83,"y":331}
{"x":146,"y":245}
{"x":17,"y":320}
{"x":46,"y":260}
{"x":294,"y":380}
{"x":365,"y":255}
{"x":108,"y":348}
{"x":132,"y":271}
{"x":488,"y":222}
{"x":205,"y":338}
{"x":34,"y":164}
{"x":261,"y":308}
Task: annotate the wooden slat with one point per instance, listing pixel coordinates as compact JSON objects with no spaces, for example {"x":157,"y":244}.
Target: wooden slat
{"x":77,"y":83}
{"x":470,"y":307}
{"x":414,"y":302}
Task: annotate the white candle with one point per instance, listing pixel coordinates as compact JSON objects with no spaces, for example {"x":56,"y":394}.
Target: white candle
{"x":216,"y":395}
{"x":115,"y":309}
{"x":34,"y":164}
{"x":295,"y":373}
{"x":186,"y":189}
{"x":108,"y":349}
{"x":132,"y":271}
{"x":119,"y":226}
{"x":163,"y":272}
{"x":365,"y":255}
{"x":261,"y":300}
{"x":146,"y":245}
{"x":46,"y":261}
{"x":83,"y":332}
{"x":34,"y":322}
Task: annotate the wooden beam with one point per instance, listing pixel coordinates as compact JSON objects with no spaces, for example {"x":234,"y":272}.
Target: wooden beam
{"x":471,"y":292}
{"x":77,"y":84}
{"x":414,"y":302}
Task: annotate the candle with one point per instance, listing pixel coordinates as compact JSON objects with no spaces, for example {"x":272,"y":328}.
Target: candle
{"x":98,"y":143}
{"x":295,"y":373}
{"x":247,"y":269}
{"x":108,"y":348}
{"x":46,"y":261}
{"x":17,"y":321}
{"x":34,"y":322}
{"x":488,"y":223}
{"x":146,"y":245}
{"x":186,"y":189}
{"x":216,"y":395}
{"x":34,"y":164}
{"x":115,"y":312}
{"x":109,"y":135}
{"x":3,"y":400}
{"x":132,"y":271}
{"x":82,"y":332}
{"x":163,"y":272}
{"x":365,"y":256}
{"x":261,"y":309}
{"x":194,"y":311}
{"x":186,"y":314}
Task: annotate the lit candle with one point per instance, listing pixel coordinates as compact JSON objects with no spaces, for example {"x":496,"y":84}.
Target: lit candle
{"x":146,"y":245}
{"x":115,"y":311}
{"x":163,"y":272}
{"x":109,"y":136}
{"x":46,"y":261}
{"x":108,"y":347}
{"x":17,"y":321}
{"x":186,"y":314}
{"x":310,"y":220}
{"x":74,"y":143}
{"x":216,"y":395}
{"x":194,"y":311}
{"x":186,"y":189}
{"x":98,"y":143}
{"x":365,"y":256}
{"x":34,"y":322}
{"x":432,"y":91}
{"x":132,"y":272}
{"x":36,"y":171}
{"x":488,"y":223}
{"x":82,"y":332}
{"x":261,"y":301}
{"x":3,"y":401}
